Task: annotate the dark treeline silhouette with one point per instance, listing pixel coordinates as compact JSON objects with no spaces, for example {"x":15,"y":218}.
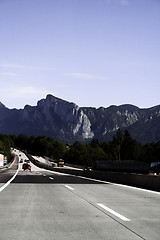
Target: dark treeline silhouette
{"x":6,"y":142}
{"x":122,"y":147}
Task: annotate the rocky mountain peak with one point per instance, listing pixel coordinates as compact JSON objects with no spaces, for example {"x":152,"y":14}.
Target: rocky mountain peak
{"x":2,"y":105}
{"x":59,"y":116}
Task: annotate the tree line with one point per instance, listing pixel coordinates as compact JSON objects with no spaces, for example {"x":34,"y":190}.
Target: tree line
{"x":6,"y":142}
{"x":122,"y":147}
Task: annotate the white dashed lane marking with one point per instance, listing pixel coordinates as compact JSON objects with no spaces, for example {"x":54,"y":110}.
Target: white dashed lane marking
{"x":113,"y":212}
{"x":51,"y":178}
{"x":69,"y":187}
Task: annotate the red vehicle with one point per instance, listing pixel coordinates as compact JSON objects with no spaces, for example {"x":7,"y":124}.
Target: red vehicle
{"x":26,"y":166}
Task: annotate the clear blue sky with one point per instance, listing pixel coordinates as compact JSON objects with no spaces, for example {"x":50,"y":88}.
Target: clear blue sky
{"x":90,"y":52}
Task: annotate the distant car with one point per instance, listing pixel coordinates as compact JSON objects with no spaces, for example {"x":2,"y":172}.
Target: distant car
{"x":87,"y":168}
{"x":60,"y":163}
{"x":54,"y":164}
{"x":27,"y":161}
{"x":26,"y":166}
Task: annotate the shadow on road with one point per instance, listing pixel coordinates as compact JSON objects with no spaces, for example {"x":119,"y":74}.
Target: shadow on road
{"x":43,"y":178}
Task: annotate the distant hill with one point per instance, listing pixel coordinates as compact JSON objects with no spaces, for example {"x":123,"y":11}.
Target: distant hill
{"x":67,"y":122}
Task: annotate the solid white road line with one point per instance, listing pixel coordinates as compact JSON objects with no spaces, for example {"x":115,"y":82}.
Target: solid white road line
{"x":7,"y":183}
{"x":69,"y":187}
{"x":120,"y":185}
{"x":113,"y":212}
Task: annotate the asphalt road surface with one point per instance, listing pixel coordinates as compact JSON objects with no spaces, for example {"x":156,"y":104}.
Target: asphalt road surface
{"x":53,"y":206}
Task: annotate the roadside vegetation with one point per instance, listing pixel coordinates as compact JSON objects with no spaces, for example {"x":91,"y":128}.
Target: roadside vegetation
{"x":122,"y":147}
{"x":6,"y":142}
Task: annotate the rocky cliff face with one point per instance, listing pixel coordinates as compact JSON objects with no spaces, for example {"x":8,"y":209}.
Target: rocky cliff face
{"x":67,"y":122}
{"x":52,"y":117}
{"x":143,"y":124}
{"x":64,"y":118}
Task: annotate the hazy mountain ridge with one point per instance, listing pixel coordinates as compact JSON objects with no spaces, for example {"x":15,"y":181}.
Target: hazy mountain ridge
{"x":65,"y":121}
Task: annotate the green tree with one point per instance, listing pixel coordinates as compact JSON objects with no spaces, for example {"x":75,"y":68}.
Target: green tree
{"x":1,"y":147}
{"x":77,"y":154}
{"x":116,"y":145}
{"x":5,"y":146}
{"x":21,"y":141}
{"x":130,"y":148}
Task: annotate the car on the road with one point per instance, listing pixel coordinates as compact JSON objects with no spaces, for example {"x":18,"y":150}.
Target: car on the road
{"x":26,"y":161}
{"x":87,"y":168}
{"x":60,"y":163}
{"x":26,"y":166}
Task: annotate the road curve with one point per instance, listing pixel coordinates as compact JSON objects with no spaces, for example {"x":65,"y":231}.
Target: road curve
{"x":48,"y":205}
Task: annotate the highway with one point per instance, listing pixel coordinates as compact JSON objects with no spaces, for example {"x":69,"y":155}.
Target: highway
{"x":53,"y":206}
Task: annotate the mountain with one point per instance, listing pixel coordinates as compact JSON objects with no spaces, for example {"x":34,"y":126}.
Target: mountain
{"x":67,"y":122}
{"x":142,"y":124}
{"x":52,"y":117}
